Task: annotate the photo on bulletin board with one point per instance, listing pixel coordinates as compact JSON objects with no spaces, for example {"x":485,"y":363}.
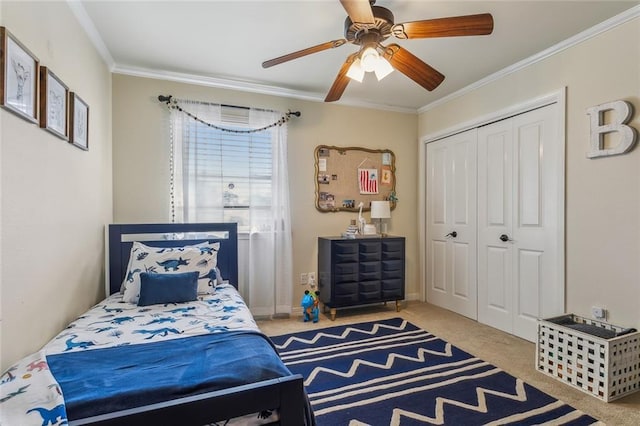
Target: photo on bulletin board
{"x":347,"y":176}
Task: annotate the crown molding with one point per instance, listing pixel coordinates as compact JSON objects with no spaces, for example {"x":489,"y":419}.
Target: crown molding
{"x":92,"y":32}
{"x":245,"y":86}
{"x":585,"y":35}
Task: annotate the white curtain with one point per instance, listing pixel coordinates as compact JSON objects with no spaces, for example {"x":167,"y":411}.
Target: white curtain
{"x":267,"y":256}
{"x":278,"y":254}
{"x":184,"y":186}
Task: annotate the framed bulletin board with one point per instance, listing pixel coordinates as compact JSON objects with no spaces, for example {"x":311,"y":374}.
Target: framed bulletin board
{"x":347,"y":176}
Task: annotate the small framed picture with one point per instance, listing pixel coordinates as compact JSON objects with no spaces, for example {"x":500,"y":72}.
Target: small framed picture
{"x":19,"y":82}
{"x":53,"y":104}
{"x":386,"y":158}
{"x":78,"y":122}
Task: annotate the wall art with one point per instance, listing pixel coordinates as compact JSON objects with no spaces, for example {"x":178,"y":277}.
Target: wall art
{"x":19,"y":77}
{"x":78,"y":122}
{"x":54,"y":95}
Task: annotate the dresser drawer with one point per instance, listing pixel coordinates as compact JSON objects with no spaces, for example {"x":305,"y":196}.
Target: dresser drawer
{"x":366,"y":267}
{"x":392,"y":249}
{"x":345,"y":258}
{"x":392,"y":294}
{"x":346,"y":278}
{"x":369,"y":287}
{"x":345,"y":300}
{"x":370,"y":247}
{"x":345,"y":247}
{"x":392,"y":284}
{"x":393,"y":265}
{"x":370,"y":251}
{"x":345,"y":268}
{"x":345,"y":294}
{"x":388,"y":275}
{"x":369,"y":296}
{"x":345,"y":251}
{"x":346,"y":289}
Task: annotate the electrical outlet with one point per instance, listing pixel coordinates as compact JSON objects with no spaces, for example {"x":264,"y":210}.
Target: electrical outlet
{"x":304,"y":278}
{"x":598,"y":312}
{"x":311,"y":278}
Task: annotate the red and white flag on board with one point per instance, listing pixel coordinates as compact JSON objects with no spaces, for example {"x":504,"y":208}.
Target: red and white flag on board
{"x":368,"y":181}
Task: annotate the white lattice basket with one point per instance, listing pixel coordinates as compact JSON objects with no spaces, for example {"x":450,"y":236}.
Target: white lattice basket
{"x":607,"y":368}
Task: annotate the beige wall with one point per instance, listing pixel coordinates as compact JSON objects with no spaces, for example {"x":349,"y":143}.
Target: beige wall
{"x":55,"y":198}
{"x":603,"y":195}
{"x":141,"y":144}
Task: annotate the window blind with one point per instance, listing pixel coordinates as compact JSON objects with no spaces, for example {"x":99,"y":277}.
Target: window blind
{"x":230,"y":173}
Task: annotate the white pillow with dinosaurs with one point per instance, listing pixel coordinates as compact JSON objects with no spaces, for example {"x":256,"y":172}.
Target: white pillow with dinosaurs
{"x":201,"y":258}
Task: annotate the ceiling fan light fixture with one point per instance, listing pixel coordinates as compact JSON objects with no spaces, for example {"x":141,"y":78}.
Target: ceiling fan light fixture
{"x":355,"y":71}
{"x":369,"y":59}
{"x":383,"y":68}
{"x":368,"y":26}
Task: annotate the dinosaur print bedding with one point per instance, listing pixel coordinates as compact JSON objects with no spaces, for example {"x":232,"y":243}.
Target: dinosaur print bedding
{"x":119,"y":356}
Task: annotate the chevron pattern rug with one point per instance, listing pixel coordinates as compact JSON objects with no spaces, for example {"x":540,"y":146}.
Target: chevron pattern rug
{"x":391,"y":372}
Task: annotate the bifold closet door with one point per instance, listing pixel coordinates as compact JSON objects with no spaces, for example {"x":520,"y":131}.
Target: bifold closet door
{"x":519,"y":188}
{"x":451,"y":223}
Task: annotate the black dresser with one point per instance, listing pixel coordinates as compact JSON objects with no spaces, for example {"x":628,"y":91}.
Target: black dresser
{"x":360,"y":271}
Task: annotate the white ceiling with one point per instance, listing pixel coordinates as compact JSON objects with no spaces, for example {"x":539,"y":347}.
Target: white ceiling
{"x":223,"y":43}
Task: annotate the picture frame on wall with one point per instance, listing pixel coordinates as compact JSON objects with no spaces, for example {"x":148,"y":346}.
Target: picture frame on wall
{"x":19,"y":77}
{"x":54,"y":95}
{"x":78,"y":121}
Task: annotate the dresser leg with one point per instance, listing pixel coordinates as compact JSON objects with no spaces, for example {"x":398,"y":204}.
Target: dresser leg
{"x":333,"y":314}
{"x":397,"y":306}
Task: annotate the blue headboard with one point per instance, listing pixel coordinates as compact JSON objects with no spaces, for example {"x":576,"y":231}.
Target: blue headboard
{"x":121,"y":238}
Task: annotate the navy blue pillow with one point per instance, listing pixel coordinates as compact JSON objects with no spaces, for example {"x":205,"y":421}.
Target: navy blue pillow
{"x":168,"y":288}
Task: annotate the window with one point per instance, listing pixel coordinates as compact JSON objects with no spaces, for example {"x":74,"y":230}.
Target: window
{"x":229,"y":174}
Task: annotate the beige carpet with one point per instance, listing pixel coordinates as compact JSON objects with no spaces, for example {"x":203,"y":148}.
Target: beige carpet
{"x":512,"y":354}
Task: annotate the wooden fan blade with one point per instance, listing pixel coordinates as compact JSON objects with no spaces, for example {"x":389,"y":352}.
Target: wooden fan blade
{"x":359,"y":11}
{"x":468,"y":25}
{"x":341,"y":81}
{"x":304,"y":52}
{"x":413,"y":67}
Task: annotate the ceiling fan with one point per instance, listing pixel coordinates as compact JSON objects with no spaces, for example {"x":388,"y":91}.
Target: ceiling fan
{"x":368,"y":26}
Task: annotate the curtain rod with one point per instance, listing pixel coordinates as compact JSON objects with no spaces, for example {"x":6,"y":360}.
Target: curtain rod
{"x":167,"y":100}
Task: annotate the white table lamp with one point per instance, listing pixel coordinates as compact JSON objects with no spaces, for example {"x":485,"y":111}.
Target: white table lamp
{"x":380,"y":210}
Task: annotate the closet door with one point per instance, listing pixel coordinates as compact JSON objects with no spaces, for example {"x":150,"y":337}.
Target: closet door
{"x":451,"y":223}
{"x":520,"y":276}
{"x":495,"y":198}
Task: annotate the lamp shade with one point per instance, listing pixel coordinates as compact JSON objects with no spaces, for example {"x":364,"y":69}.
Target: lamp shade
{"x":380,"y":210}
{"x":355,"y":71}
{"x":383,"y":68}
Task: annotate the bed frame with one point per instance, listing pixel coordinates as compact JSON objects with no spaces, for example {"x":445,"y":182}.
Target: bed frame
{"x":285,"y":393}
{"x":121,"y":238}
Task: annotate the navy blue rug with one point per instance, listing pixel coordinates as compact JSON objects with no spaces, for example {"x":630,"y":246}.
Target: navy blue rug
{"x":391,"y":372}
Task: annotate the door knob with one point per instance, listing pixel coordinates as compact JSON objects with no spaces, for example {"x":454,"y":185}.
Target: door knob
{"x":452,"y":234}
{"x":505,"y":238}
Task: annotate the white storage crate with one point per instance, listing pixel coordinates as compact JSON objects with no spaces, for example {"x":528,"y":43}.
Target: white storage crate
{"x":607,"y":368}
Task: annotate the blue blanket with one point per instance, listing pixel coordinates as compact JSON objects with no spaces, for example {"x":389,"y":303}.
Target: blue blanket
{"x":119,"y":355}
{"x":112,"y":379}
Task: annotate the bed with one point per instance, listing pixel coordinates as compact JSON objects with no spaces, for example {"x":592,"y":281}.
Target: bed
{"x":155,"y":359}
